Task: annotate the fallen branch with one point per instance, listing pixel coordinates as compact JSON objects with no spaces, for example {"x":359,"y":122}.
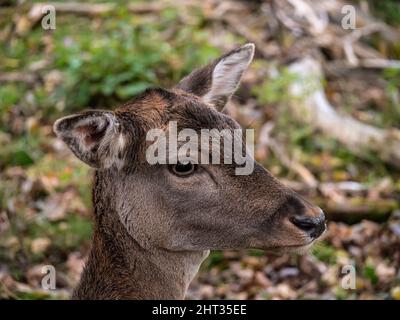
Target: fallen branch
{"x":311,"y":106}
{"x":380,"y":63}
{"x":267,"y":50}
{"x":266,"y":140}
{"x":346,"y":201}
{"x":356,"y":209}
{"x":17,"y":77}
{"x":94,"y":9}
{"x":91,"y":9}
{"x":357,"y":34}
{"x":228,"y":14}
{"x":349,"y":187}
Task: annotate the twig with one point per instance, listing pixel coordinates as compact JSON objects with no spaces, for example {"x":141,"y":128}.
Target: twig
{"x":266,"y":140}
{"x":37,"y":10}
{"x":93,"y":9}
{"x":380,"y":63}
{"x":350,"y":39}
{"x":17,"y":77}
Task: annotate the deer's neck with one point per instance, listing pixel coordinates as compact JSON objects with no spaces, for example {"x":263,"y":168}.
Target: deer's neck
{"x":119,"y":268}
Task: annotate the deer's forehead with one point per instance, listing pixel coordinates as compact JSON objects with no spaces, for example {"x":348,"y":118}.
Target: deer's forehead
{"x":155,"y":108}
{"x":203,"y":117}
{"x":149,"y":104}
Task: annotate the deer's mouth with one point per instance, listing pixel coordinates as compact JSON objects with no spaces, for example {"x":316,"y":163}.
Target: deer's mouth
{"x":298,"y":249}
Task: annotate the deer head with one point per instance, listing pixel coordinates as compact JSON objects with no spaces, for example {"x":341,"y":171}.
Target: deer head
{"x":186,"y":207}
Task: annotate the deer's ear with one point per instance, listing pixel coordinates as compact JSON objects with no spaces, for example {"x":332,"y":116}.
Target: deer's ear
{"x":216,"y":82}
{"x":95,"y":137}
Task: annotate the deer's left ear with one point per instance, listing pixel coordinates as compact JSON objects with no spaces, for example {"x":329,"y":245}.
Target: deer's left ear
{"x":95,"y":137}
{"x":216,"y":82}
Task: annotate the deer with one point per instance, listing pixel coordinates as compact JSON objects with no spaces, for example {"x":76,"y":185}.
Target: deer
{"x":155,"y":224}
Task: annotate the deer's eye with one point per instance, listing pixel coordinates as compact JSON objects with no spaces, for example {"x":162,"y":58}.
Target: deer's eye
{"x":183,"y":169}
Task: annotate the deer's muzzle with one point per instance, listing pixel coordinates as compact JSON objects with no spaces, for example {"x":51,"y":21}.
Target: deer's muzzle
{"x":314,"y":226}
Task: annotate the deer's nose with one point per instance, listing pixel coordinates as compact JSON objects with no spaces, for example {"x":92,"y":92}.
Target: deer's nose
{"x":314,"y":226}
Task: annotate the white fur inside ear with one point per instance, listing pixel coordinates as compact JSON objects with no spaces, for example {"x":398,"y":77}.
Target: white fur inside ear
{"x":228,"y":72}
{"x":112,"y":144}
{"x":95,"y":137}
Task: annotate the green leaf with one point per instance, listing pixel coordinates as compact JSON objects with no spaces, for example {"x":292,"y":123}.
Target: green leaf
{"x":369,"y":272}
{"x":130,"y":90}
{"x":21,"y":158}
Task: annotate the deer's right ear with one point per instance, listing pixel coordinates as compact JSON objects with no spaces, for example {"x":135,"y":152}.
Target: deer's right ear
{"x":95,"y":137}
{"x":216,"y":82}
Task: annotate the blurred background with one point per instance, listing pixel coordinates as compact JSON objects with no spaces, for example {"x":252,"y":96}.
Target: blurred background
{"x":322,"y":96}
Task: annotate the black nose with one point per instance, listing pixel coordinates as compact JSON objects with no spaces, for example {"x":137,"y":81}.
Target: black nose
{"x":314,"y":226}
